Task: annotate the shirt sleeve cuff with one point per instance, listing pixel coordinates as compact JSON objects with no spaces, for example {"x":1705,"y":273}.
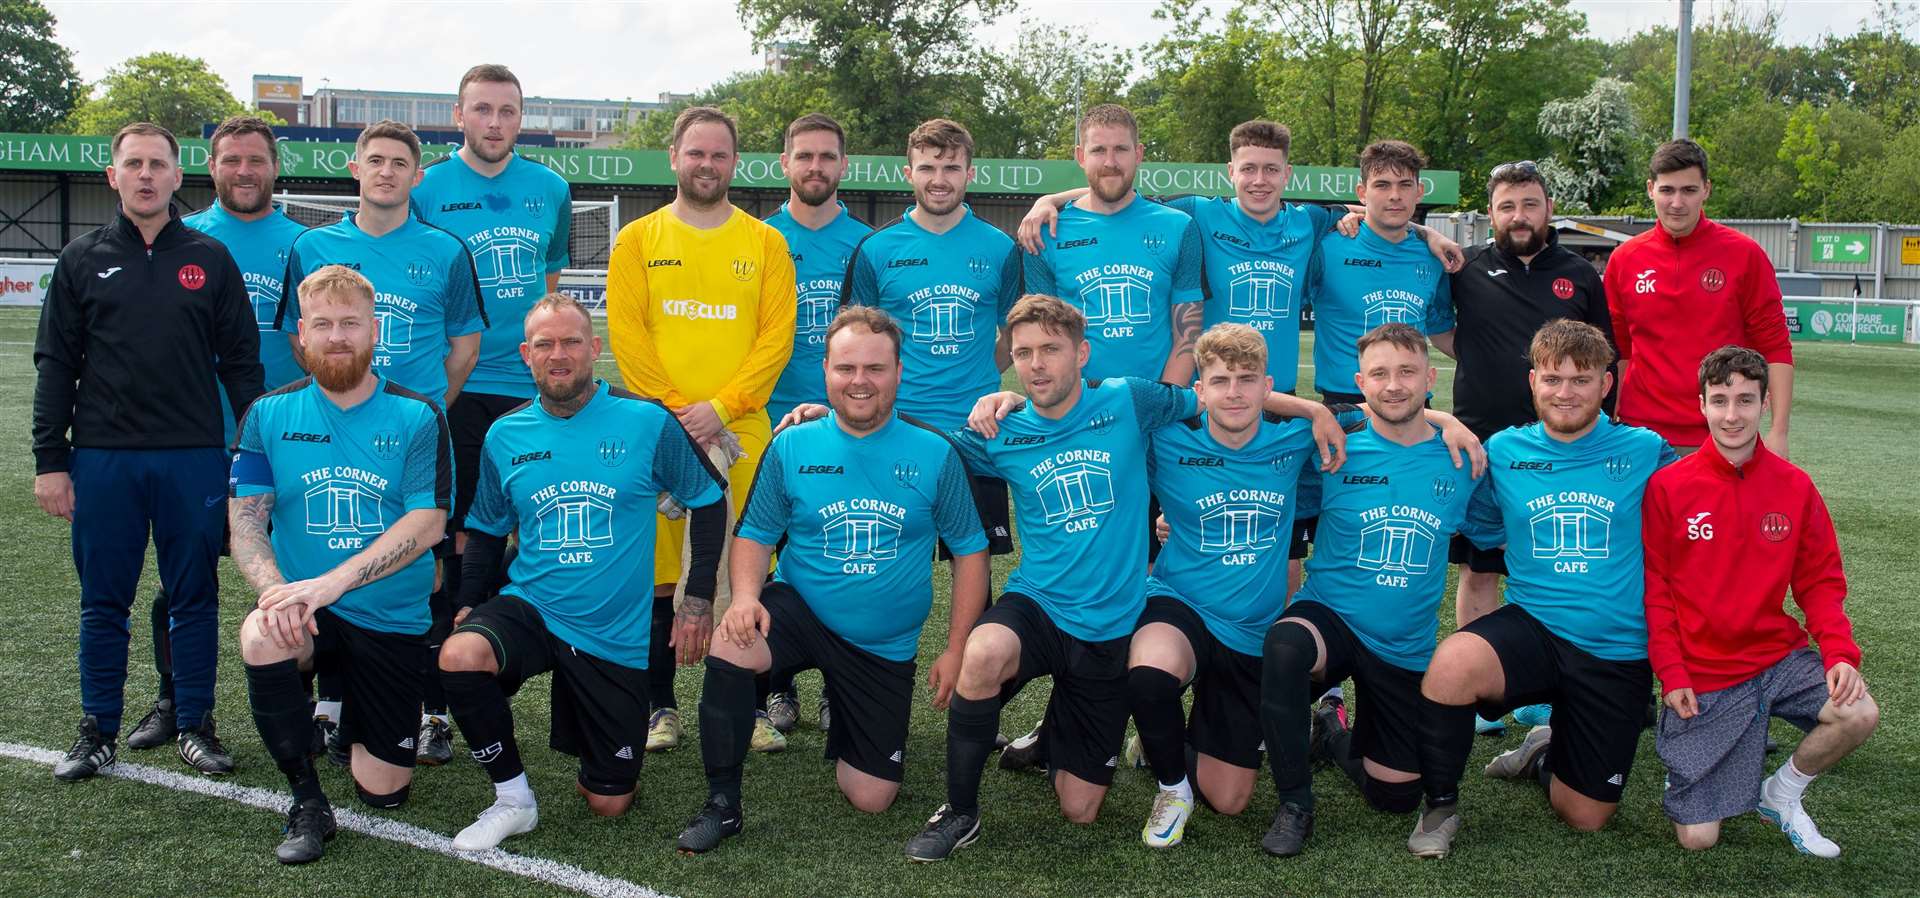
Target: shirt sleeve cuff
{"x":720,"y":409}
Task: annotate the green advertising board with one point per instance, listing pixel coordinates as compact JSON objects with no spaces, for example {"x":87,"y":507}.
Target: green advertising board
{"x":593,"y":167}
{"x":1842,"y":246}
{"x":1837,"y":320}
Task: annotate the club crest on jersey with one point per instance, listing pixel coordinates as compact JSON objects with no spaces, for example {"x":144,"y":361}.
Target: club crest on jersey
{"x":419,"y":272}
{"x":1775,"y":527}
{"x":1444,"y":488}
{"x":743,"y":269}
{"x":534,"y":205}
{"x":1618,"y":468}
{"x":612,"y":451}
{"x":978,"y":267}
{"x":1285,"y":462}
{"x":1712,"y":280}
{"x":280,"y":255}
{"x":192,"y":277}
{"x":1101,"y":423}
{"x":1563,"y":288}
{"x":905,"y":472}
{"x":1153,"y":242}
{"x":1423,"y":272}
{"x":386,"y":444}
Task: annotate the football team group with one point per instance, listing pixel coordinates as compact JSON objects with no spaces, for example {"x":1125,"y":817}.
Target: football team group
{"x":393,"y":426}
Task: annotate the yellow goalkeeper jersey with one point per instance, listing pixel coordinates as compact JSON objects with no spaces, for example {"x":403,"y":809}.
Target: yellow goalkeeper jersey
{"x":697,"y":315}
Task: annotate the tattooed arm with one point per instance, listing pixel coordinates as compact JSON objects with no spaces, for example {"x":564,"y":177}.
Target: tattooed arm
{"x":1186,"y":331}
{"x":247,"y":519}
{"x":407,"y":539}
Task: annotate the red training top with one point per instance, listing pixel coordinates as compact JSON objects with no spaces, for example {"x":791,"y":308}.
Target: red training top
{"x":1675,"y":300}
{"x":1722,"y":546}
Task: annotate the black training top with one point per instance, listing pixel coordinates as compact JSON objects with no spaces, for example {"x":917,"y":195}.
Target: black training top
{"x":131,"y":339}
{"x":1499,"y":302}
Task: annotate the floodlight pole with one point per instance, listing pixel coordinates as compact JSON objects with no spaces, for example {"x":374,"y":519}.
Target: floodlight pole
{"x":1683,"y":71}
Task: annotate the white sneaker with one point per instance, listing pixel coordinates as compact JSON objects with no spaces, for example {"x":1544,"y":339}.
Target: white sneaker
{"x":496,"y":824}
{"x":1167,"y":825}
{"x":1791,"y":817}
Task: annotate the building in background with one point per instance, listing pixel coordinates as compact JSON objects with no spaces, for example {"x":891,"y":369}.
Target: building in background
{"x":545,"y":121}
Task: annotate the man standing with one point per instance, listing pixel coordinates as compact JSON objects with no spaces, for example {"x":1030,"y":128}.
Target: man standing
{"x":1076,"y":458}
{"x":243,"y":160}
{"x":431,"y":317}
{"x":1684,"y":288}
{"x":821,"y":235}
{"x":1508,"y":290}
{"x":860,"y":498}
{"x":1132,"y":267}
{"x":576,"y":476}
{"x":1729,"y":530}
{"x":515,"y":217}
{"x":700,"y":310}
{"x":341,"y":484}
{"x":951,"y":278}
{"x":145,"y":322}
{"x":1368,"y":610}
{"x":1564,"y":497}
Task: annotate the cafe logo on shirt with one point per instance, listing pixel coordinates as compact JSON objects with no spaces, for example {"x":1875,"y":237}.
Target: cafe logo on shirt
{"x":612,"y":451}
{"x":386,"y":444}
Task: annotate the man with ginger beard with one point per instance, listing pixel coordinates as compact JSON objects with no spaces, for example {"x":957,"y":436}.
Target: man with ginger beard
{"x":353,"y":476}
{"x":700,"y":316}
{"x":1509,"y":289}
{"x":575,"y":475}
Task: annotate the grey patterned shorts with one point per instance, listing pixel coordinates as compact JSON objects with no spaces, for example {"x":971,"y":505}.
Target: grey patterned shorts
{"x":1715,"y":761}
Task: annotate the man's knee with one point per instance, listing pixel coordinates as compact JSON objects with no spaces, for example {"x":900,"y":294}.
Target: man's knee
{"x":1079,"y":808}
{"x":1579,"y":812}
{"x":991,"y":650}
{"x":468,"y":652}
{"x":1290,"y":649}
{"x":1227,"y":799}
{"x":256,"y":646}
{"x":1392,"y":798}
{"x":1697,"y":836}
{"x":871,"y":799}
{"x":609,"y":805}
{"x":1458,"y":670}
{"x":1858,"y":720}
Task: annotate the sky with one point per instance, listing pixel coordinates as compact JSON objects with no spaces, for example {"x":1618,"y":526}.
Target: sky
{"x":630,"y":50}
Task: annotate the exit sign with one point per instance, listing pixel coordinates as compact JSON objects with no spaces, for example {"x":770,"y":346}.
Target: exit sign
{"x":1842,"y":246}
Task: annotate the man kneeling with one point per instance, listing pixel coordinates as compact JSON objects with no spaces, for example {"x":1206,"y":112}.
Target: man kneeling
{"x":1728,"y":530}
{"x":576,"y":475}
{"x":860,"y":497}
{"x":329,"y":461}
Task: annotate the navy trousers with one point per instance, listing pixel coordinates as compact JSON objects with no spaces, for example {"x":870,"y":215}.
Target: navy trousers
{"x":121,"y":496}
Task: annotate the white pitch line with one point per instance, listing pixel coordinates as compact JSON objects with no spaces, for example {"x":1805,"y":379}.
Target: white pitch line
{"x":554,"y":873}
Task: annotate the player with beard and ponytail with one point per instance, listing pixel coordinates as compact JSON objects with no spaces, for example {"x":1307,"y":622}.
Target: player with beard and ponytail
{"x":243,"y":161}
{"x":700,"y":316}
{"x":515,"y":217}
{"x":576,"y":475}
{"x":354,"y":475}
{"x":1508,"y":290}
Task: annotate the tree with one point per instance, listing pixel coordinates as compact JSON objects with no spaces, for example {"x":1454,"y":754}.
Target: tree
{"x":38,"y":84}
{"x":1821,"y":144}
{"x":1592,"y":134}
{"x":1030,"y":95}
{"x":762,"y":105}
{"x":1202,"y":81}
{"x":176,"y":92}
{"x":1882,"y":189}
{"x":891,"y":63}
